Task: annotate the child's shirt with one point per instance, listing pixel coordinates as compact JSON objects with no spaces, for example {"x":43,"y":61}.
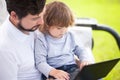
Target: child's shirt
{"x":53,"y":52}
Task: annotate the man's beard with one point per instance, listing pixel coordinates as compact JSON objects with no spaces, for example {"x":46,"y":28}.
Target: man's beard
{"x":20,"y":27}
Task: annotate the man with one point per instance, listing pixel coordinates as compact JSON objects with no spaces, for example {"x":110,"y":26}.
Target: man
{"x":17,"y":40}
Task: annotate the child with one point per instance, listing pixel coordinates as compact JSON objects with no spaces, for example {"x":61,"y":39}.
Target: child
{"x":55,"y":46}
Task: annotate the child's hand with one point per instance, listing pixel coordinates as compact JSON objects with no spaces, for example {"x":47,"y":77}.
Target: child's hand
{"x":59,"y":74}
{"x":82,"y":64}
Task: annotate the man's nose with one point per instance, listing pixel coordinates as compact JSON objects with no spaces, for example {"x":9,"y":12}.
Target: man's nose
{"x":40,"y":21}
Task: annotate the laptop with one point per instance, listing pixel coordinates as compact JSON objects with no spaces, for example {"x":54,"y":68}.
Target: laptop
{"x":95,"y":71}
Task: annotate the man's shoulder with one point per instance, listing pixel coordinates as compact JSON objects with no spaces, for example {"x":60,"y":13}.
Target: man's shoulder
{"x":5,"y":49}
{"x":4,"y":44}
{"x":5,"y":41}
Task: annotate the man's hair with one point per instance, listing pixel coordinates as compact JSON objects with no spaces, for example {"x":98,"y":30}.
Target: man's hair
{"x":57,"y":14}
{"x":25,"y":7}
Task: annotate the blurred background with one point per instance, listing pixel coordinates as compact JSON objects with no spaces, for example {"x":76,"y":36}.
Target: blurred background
{"x":105,"y":12}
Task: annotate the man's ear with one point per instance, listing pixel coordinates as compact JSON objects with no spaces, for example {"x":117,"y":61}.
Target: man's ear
{"x":14,"y":17}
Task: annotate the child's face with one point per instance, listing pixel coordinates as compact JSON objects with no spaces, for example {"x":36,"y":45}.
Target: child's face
{"x":57,"y":32}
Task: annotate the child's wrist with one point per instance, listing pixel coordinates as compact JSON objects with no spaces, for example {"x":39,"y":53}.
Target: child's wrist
{"x":52,"y":72}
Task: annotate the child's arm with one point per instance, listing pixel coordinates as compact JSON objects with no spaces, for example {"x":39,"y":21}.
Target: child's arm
{"x":85,"y":56}
{"x":40,"y":56}
{"x":41,"y":62}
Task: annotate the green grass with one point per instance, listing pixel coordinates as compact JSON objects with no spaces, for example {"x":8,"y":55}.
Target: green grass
{"x":105,"y":12}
